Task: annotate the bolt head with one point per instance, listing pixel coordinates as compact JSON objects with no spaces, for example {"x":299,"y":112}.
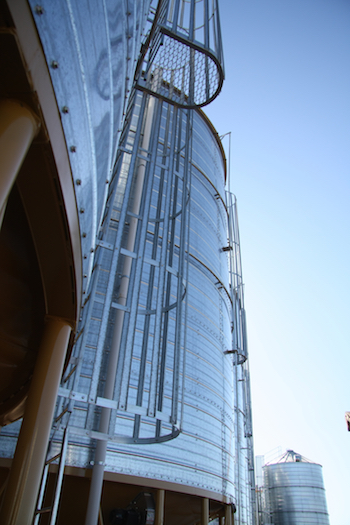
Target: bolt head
{"x":54,"y":64}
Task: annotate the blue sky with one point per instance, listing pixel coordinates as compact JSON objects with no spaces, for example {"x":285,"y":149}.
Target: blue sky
{"x":286,"y":101}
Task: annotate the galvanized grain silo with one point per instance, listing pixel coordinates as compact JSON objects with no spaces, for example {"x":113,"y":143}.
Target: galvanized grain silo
{"x":134,"y":220}
{"x":295,"y":493}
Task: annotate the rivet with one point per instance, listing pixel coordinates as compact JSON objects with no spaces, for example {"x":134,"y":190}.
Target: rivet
{"x":85,"y":275}
{"x":84,"y":234}
{"x":85,"y":257}
{"x":107,"y":181}
{"x":54,"y":64}
{"x":78,"y":182}
{"x":92,"y":250}
{"x":73,"y":149}
{"x":82,"y":210}
{"x":39,"y":10}
{"x":65,"y":109}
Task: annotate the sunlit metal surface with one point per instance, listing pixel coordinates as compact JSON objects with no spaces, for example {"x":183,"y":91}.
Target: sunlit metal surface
{"x":91,"y":50}
{"x":295,"y":493}
{"x":214,"y":450}
{"x":182,"y":368}
{"x":207,"y":389}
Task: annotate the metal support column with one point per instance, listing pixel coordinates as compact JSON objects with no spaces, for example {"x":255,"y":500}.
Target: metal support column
{"x":18,"y":127}
{"x":205,"y":511}
{"x":159,"y":520}
{"x":228,"y":515}
{"x":101,"y":447}
{"x":28,"y":463}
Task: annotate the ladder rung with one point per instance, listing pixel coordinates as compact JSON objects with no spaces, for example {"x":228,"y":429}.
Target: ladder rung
{"x":78,"y":335}
{"x":70,"y":373}
{"x":51,"y":460}
{"x":43,"y":511}
{"x":62,"y":413}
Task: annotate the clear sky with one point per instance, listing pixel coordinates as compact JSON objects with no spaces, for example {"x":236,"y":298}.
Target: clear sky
{"x":286,"y":101}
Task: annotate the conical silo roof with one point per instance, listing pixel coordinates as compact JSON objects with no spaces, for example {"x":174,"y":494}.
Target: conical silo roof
{"x":290,"y":456}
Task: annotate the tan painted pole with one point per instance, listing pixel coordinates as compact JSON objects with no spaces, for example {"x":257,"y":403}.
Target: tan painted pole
{"x":160,"y":507}
{"x":205,"y":511}
{"x":228,"y":515}
{"x":28,"y":463}
{"x":101,"y":447}
{"x":18,"y":127}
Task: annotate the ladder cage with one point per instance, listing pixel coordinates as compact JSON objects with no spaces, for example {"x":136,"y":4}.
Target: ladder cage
{"x":139,"y":286}
{"x":183,"y":58}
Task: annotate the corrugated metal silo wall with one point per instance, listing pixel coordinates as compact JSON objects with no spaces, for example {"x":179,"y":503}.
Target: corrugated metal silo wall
{"x":295,"y":494}
{"x":91,"y":50}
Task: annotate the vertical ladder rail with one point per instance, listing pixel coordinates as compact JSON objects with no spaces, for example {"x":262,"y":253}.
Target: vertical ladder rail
{"x":57,"y":493}
{"x":60,"y":477}
{"x":182,"y":267}
{"x":113,"y":268}
{"x":41,"y":494}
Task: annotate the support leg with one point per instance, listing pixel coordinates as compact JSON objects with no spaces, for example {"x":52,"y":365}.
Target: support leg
{"x":28,"y":462}
{"x":160,"y":507}
{"x":205,"y":511}
{"x":228,"y":515}
{"x":18,"y":127}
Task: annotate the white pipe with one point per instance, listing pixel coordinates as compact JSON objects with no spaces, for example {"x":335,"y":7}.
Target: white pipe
{"x":101,"y":447}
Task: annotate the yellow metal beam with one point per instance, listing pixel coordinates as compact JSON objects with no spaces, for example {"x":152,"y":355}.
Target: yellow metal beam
{"x":228,"y":515}
{"x":18,"y":127}
{"x":160,"y":507}
{"x":25,"y":475}
{"x":205,"y":511}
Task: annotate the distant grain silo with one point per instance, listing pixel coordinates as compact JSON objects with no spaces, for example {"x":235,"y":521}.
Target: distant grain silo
{"x":295,"y":492}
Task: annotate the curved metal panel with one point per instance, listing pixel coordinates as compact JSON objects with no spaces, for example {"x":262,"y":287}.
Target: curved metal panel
{"x":91,"y":50}
{"x":205,"y":452}
{"x":175,"y":363}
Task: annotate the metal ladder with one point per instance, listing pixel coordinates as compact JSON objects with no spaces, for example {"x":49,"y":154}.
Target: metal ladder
{"x":61,"y":424}
{"x":61,"y":455}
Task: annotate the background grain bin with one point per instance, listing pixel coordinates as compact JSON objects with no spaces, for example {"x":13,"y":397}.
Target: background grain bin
{"x":295,"y":492}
